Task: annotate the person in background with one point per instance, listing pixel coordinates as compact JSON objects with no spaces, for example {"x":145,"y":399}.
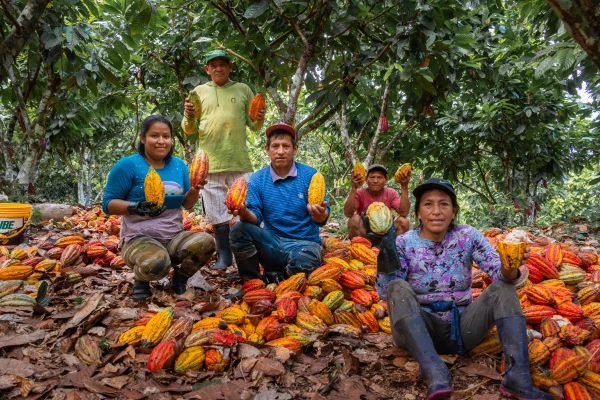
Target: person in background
{"x":152,"y":237}
{"x":289,"y":241}
{"x":222,"y":135}
{"x":359,"y":199}
{"x":425,"y":276}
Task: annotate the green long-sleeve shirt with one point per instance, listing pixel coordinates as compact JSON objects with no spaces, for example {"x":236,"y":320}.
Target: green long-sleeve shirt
{"x":222,"y":126}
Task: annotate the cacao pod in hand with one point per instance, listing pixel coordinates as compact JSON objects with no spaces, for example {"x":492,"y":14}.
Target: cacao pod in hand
{"x":316,"y":189}
{"x":236,"y":195}
{"x":256,"y":105}
{"x":199,"y":168}
{"x":154,"y":190}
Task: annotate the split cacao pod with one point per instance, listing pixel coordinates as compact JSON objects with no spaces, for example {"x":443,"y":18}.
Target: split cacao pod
{"x":236,"y":195}
{"x":346,"y":331}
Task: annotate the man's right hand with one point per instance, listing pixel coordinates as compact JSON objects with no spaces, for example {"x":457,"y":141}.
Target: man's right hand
{"x":356,"y":181}
{"x":188,"y":108}
{"x":243,"y":213}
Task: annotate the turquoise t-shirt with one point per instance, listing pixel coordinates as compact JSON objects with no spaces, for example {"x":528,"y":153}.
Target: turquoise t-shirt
{"x":126,"y":181}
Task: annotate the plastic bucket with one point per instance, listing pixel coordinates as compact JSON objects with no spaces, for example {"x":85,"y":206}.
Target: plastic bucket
{"x":14,"y":221}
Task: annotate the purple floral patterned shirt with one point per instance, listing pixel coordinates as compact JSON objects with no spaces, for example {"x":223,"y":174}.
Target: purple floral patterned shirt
{"x":441,"y":271}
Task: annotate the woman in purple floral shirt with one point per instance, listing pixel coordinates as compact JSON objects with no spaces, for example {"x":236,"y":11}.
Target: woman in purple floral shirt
{"x":426,"y":277}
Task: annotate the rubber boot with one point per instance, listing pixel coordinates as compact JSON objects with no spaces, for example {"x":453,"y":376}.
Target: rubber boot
{"x":141,"y":290}
{"x":517,"y":382}
{"x":223,"y":247}
{"x":247,"y":269}
{"x":179,"y":282}
{"x":417,"y":341}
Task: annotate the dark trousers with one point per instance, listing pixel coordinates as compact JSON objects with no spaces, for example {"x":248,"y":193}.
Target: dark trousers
{"x":277,"y":254}
{"x":499,"y":300}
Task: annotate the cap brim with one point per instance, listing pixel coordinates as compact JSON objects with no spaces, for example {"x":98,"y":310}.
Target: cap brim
{"x":214,"y":58}
{"x":381,"y":169}
{"x":419,"y":190}
{"x":284,"y":127}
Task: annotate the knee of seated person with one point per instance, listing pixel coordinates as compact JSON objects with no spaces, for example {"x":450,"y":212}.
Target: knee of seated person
{"x":398,"y":289}
{"x":155,"y":265}
{"x":238,"y":231}
{"x":502,"y":288}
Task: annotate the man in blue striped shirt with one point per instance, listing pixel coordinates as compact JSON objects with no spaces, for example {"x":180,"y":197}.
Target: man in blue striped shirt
{"x":289,"y":241}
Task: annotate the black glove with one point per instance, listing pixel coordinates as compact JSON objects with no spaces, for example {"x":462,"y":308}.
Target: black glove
{"x":145,"y":208}
{"x":274,"y":277}
{"x":387,"y":260}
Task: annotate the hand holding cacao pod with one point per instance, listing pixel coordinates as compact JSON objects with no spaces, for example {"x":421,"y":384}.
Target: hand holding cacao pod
{"x":318,"y":212}
{"x":357,"y":180}
{"x":402,"y":175}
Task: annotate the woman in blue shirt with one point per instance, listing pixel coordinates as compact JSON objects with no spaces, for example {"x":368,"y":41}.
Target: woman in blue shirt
{"x":152,"y":237}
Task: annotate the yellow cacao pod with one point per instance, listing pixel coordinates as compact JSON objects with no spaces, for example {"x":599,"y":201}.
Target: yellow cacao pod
{"x":316,"y":189}
{"x":154,"y":190}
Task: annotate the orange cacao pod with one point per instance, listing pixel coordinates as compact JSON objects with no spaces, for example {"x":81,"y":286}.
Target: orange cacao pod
{"x":378,"y":310}
{"x":359,"y":169}
{"x":570,"y":258}
{"x":535,"y":314}
{"x":286,"y":310}
{"x":95,"y":251}
{"x":558,"y":355}
{"x":15,"y":272}
{"x":289,"y":343}
{"x":568,"y":369}
{"x":541,"y":295}
{"x":549,"y":327}
{"x":236,"y":195}
{"x":270,"y":328}
{"x":253,"y":284}
{"x":117,"y":262}
{"x":224,"y":338}
{"x":573,"y":335}
{"x":329,"y":285}
{"x":327,"y":271}
{"x":199,"y":168}
{"x":353,"y":279}
{"x":253,"y":296}
{"x":320,"y":310}
{"x":575,"y":391}
{"x":292,"y":294}
{"x":67,"y":240}
{"x":233,"y":315}
{"x":257,"y":104}
{"x":404,"y":168}
{"x":547,"y":269}
{"x":362,"y":253}
{"x":216,"y":359}
{"x":295,"y":283}
{"x":367,"y":319}
{"x":570,"y":310}
{"x":163,"y":356}
{"x":346,"y":317}
{"x":362,"y":297}
{"x":538,"y":352}
{"x":554,"y":254}
{"x":489,"y":345}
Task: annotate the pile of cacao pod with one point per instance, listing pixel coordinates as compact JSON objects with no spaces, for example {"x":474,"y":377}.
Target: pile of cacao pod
{"x":70,"y":256}
{"x":559,"y":292}
{"x":339,"y":298}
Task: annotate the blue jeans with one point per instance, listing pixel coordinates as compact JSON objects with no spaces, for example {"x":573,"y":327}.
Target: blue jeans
{"x":275,"y":254}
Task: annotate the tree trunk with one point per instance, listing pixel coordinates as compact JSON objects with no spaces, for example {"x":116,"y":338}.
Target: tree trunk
{"x":81,"y":176}
{"x":582,"y":21}
{"x":18,"y":35}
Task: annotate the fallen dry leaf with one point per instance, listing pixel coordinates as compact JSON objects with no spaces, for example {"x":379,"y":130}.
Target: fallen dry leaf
{"x":481,"y":370}
{"x":17,"y":340}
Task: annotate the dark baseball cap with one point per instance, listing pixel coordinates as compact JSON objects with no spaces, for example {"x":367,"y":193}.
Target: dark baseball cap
{"x":377,"y":167}
{"x":435,"y":183}
{"x":281,"y":127}
{"x":211,"y":55}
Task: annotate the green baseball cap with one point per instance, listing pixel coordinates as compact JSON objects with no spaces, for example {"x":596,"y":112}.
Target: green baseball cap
{"x":211,"y":55}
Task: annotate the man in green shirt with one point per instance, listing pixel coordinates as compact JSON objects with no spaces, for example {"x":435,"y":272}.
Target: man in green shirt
{"x":222,"y":135}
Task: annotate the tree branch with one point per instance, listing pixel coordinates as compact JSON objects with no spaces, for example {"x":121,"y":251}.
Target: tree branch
{"x":315,"y":124}
{"x":407,"y":127}
{"x":375,"y":141}
{"x":341,"y":119}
